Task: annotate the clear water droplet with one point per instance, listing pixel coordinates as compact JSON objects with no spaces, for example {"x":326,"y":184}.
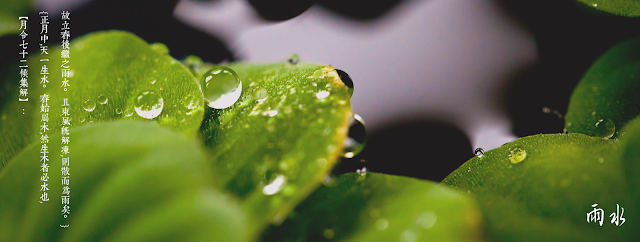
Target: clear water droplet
{"x":192,"y":103}
{"x":356,"y":139}
{"x":153,"y":81}
{"x":102,"y":99}
{"x":517,"y":155}
{"x":221,"y":87}
{"x":275,"y":186}
{"x":89,"y":105}
{"x":601,"y":160}
{"x":294,"y":59}
{"x":260,"y":94}
{"x":479,"y":152}
{"x":128,"y":112}
{"x":148,"y":104}
{"x":160,"y":48}
{"x":362,"y":171}
{"x":118,"y":111}
{"x":605,"y":128}
{"x":346,"y":79}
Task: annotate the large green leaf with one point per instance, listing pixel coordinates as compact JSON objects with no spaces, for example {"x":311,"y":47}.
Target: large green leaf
{"x":628,"y":8}
{"x":114,"y":65}
{"x":379,"y":207}
{"x":608,"y":93}
{"x":540,"y":188}
{"x":273,"y":147}
{"x":129,"y":181}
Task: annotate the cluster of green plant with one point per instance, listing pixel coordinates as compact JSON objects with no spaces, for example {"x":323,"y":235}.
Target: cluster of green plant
{"x":260,"y":169}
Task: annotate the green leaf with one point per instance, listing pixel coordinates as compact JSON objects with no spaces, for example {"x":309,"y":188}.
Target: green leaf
{"x":129,"y":181}
{"x":630,"y":156}
{"x":10,"y":12}
{"x":379,"y":207}
{"x":608,"y":92}
{"x":114,"y":65}
{"x":272,"y":153}
{"x":541,"y":187}
{"x":627,"y":8}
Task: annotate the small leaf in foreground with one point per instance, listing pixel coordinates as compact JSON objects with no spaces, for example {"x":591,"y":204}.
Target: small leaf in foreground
{"x":129,"y":181}
{"x":379,"y":207}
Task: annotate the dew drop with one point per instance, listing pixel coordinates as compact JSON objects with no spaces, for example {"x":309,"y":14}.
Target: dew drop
{"x":153,"y":81}
{"x":517,"y":155}
{"x":605,"y":128}
{"x":160,"y":48}
{"x":362,"y":171}
{"x":346,"y":79}
{"x":148,"y":104}
{"x":192,"y":103}
{"x":294,"y":59}
{"x":357,"y":138}
{"x":89,"y":105}
{"x":102,"y":99}
{"x":221,"y":87}
{"x":479,"y":152}
{"x":118,"y":111}
{"x":275,"y":186}
{"x":128,"y":112}
{"x":260,"y":95}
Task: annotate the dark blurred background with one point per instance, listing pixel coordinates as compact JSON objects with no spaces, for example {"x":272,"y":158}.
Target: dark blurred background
{"x":434,"y":79}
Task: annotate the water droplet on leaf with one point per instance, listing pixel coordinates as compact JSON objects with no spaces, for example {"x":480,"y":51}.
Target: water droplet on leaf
{"x":159,"y":48}
{"x":260,"y":94}
{"x":148,"y":104}
{"x":605,"y":128}
{"x":221,"y":87}
{"x":102,"y":99}
{"x":346,"y":79}
{"x":89,"y":105}
{"x":294,"y":59}
{"x":128,"y":112}
{"x":479,"y":152}
{"x":362,"y":171}
{"x":192,"y":103}
{"x":517,"y":155}
{"x":275,"y":186}
{"x":118,"y":111}
{"x":356,"y":139}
